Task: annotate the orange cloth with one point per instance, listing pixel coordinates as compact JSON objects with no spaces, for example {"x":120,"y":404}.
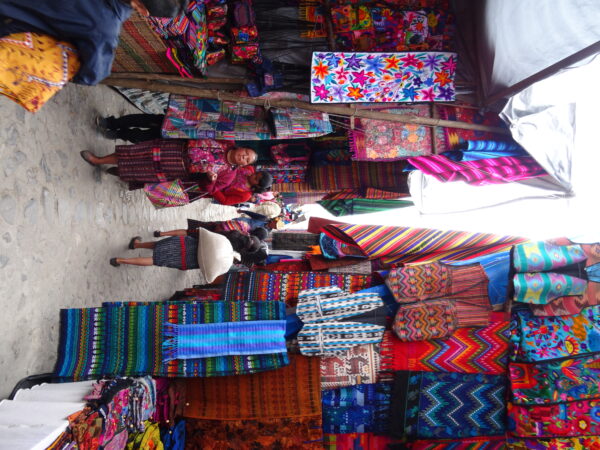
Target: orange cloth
{"x":292,"y":391}
{"x":34,"y":67}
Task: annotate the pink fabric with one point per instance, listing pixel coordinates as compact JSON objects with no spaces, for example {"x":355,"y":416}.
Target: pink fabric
{"x":479,"y":172}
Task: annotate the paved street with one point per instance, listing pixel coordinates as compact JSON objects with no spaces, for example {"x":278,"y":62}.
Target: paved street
{"x":60,"y":222}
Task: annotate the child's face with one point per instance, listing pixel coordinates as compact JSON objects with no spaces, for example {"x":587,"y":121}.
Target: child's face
{"x":254,"y":179}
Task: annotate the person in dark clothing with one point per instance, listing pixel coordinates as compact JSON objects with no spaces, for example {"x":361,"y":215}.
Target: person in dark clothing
{"x":92,"y":26}
{"x":132,"y":127}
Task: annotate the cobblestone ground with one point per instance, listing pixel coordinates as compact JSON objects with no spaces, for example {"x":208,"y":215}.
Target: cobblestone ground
{"x":60,"y":222}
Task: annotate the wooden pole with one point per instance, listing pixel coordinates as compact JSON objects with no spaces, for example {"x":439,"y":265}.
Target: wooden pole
{"x":168,"y":78}
{"x":348,"y":110}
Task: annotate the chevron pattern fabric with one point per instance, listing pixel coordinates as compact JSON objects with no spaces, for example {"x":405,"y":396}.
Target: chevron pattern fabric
{"x":405,"y":244}
{"x":467,"y":350}
{"x":447,"y":405}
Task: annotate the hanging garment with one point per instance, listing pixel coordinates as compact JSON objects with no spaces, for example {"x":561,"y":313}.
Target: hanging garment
{"x":542,"y":338}
{"x":566,"y":419}
{"x":286,"y":286}
{"x":469,"y":115}
{"x":378,"y":140}
{"x":479,"y":172}
{"x":196,"y":118}
{"x":335,"y":176}
{"x":357,"y":365}
{"x":467,"y":350}
{"x":556,"y":381}
{"x":95,"y":342}
{"x":338,"y":77}
{"x":353,"y":206}
{"x":447,"y":405}
{"x":327,"y":314}
{"x":293,"y":391}
{"x":35,"y":67}
{"x":404,"y":244}
{"x":357,"y":409}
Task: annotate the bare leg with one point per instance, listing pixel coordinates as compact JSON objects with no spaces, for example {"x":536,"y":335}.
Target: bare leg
{"x":135,"y":261}
{"x":94,"y":160}
{"x":150,"y":245}
{"x":179,"y":232}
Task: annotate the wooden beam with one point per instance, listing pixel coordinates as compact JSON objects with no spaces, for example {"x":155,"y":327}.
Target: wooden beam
{"x":169,"y":78}
{"x":347,"y":110}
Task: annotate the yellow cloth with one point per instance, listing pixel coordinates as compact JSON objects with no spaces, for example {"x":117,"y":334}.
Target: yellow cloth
{"x":33,"y":67}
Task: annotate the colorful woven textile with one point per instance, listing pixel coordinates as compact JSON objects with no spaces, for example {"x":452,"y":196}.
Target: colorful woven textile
{"x":257,"y":337}
{"x":298,"y":433}
{"x":403,"y":244}
{"x":472,"y":443}
{"x":464,"y":289}
{"x":357,"y":441}
{"x":141,"y":49}
{"x":359,"y":174}
{"x":286,"y":287}
{"x":572,"y":443}
{"x":469,"y":115}
{"x":479,"y":172}
{"x":152,"y":161}
{"x":467,"y":350}
{"x":420,"y":321}
{"x":293,"y":391}
{"x":544,"y":256}
{"x":96,"y":342}
{"x":566,"y":306}
{"x":357,"y":409}
{"x":358,"y":365}
{"x":291,"y":240}
{"x":541,"y":338}
{"x":580,"y":418}
{"x":543,"y":288}
{"x":447,"y":405}
{"x":330,"y":303}
{"x":34,"y":68}
{"x":196,"y":118}
{"x":187,"y":36}
{"x":355,"y":206}
{"x":380,"y":140}
{"x":338,"y":77}
{"x":556,"y":381}
{"x":290,"y":173}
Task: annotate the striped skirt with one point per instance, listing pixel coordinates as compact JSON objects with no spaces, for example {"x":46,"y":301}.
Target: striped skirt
{"x":179,"y":252}
{"x":152,"y":161}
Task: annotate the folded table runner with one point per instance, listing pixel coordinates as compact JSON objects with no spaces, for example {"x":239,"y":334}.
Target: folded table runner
{"x":218,"y":339}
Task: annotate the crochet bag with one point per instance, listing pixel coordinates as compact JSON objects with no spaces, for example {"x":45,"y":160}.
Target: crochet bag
{"x":425,"y":320}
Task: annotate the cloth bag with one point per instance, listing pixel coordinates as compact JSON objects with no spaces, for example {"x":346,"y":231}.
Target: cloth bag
{"x":422,"y":321}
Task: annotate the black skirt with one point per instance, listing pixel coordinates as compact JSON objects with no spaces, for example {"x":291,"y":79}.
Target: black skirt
{"x":178,"y":252}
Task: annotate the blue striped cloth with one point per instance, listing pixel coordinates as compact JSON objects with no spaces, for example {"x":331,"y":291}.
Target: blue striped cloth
{"x":257,"y":337}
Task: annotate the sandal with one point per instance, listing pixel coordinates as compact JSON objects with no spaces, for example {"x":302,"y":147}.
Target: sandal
{"x":133,"y":241}
{"x":113,"y":171}
{"x":114,"y":263}
{"x":86,"y":154}
{"x":157,"y":233}
{"x":101,"y":122}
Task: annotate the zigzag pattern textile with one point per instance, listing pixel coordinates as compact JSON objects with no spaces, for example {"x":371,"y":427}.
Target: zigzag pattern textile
{"x":556,"y":381}
{"x":580,"y":418}
{"x":467,"y":350}
{"x":395,"y":245}
{"x":123,"y":340}
{"x":286,"y":287}
{"x":542,"y":338}
{"x":357,"y":409}
{"x":447,"y":405}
